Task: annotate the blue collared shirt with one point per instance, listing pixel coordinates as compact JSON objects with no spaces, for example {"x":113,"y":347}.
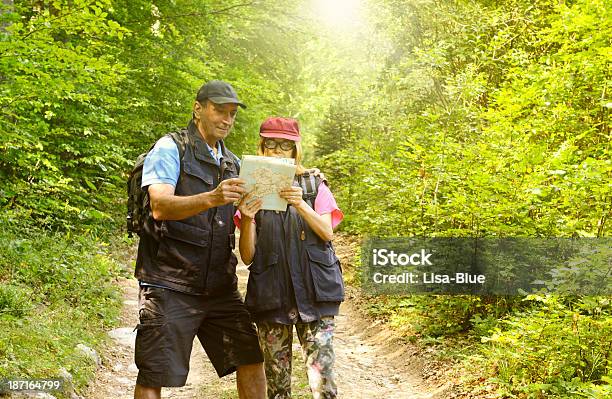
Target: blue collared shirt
{"x":162,"y":165}
{"x":212,"y":153}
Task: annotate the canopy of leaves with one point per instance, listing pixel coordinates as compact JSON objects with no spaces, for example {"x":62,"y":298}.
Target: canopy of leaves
{"x":87,"y":85}
{"x":487,"y":118}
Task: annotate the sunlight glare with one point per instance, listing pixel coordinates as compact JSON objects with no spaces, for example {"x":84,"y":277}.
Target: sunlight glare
{"x":339,"y":13}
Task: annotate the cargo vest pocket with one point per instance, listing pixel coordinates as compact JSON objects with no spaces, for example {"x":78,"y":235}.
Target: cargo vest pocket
{"x":183,"y":249}
{"x":199,"y":173}
{"x":326,"y":275}
{"x":263,"y":291}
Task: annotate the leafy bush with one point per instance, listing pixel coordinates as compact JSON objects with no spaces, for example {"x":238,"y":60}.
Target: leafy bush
{"x":487,"y":119}
{"x":15,"y":300}
{"x":551,"y":349}
{"x":538,"y":346}
{"x":58,"y":290}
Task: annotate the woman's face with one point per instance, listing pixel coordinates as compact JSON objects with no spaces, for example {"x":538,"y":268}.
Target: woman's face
{"x":278,"y":148}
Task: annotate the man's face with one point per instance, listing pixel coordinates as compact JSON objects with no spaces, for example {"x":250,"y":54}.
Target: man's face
{"x":215,"y":120}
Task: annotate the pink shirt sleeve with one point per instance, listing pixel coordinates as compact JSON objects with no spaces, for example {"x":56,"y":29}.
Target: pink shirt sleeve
{"x":326,"y":203}
{"x":237,"y":217}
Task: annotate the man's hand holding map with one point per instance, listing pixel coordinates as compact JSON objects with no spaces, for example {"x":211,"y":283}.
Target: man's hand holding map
{"x":265,"y":177}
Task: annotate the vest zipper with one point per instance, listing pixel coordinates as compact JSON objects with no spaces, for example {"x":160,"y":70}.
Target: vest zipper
{"x":212,"y":222}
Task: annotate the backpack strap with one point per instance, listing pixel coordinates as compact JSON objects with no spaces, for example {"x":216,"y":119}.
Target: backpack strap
{"x":180,"y":139}
{"x":310,"y":187}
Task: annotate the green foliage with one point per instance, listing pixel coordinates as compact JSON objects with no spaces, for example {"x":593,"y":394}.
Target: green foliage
{"x":452,"y":315}
{"x":485,"y":119}
{"x":56,"y":291}
{"x":40,"y":345}
{"x":551,"y":349}
{"x":74,"y":270}
{"x":85,"y":86}
{"x":524,"y":347}
{"x":58,"y":94}
{"x":436,"y":118}
{"x":15,"y":300}
{"x":488,"y":119}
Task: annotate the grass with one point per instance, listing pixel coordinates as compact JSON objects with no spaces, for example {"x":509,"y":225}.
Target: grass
{"x":56,"y":291}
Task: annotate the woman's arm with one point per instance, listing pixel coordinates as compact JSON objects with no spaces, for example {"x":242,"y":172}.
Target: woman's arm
{"x":248,"y":239}
{"x":248,"y":233}
{"x":320,"y":224}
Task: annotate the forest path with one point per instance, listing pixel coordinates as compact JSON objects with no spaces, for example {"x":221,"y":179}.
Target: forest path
{"x":370,"y":362}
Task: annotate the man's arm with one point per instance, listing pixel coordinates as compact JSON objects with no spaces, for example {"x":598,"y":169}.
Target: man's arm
{"x":167,"y":206}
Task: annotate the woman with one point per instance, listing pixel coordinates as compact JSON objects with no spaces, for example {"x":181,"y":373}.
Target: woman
{"x":295,"y":277}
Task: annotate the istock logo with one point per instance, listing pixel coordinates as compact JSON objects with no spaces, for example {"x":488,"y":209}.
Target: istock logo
{"x":384,"y":257}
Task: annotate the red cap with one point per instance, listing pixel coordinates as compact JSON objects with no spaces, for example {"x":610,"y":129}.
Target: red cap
{"x":282,"y":128}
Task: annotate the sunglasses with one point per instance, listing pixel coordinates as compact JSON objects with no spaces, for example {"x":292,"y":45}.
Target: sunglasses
{"x":285,"y":145}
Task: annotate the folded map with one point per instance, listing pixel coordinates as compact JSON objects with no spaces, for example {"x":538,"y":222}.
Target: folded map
{"x":266,"y":176}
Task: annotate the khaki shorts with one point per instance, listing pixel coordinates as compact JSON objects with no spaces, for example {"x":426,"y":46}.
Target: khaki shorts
{"x":169,"y":322}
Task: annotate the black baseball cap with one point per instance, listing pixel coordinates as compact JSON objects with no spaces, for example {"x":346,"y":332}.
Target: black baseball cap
{"x":218,"y":92}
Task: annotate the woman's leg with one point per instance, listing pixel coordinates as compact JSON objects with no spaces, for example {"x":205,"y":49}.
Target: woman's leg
{"x":317,"y":346}
{"x":275,"y":341}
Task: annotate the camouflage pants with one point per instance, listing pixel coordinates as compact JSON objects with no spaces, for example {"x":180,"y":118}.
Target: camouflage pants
{"x":316,"y":339}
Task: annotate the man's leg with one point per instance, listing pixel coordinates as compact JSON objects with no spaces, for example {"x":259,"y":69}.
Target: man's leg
{"x":251,"y":381}
{"x":230,"y":340}
{"x":168,"y":321}
{"x":142,"y":392}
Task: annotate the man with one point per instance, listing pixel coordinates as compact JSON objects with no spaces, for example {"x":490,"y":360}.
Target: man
{"x":185,"y":264}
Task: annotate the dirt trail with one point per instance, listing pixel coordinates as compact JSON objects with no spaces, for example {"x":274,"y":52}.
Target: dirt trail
{"x":117,"y":376}
{"x":370,"y":362}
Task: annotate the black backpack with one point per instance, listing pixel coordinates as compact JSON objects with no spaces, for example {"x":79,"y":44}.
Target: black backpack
{"x":138,"y":200}
{"x":310,"y":187}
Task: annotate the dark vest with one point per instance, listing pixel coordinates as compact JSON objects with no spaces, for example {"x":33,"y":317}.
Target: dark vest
{"x":292,"y":266}
{"x":193,"y":255}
